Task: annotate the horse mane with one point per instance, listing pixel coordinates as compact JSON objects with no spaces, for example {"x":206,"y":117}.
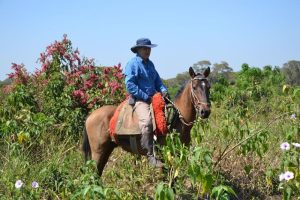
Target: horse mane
{"x":179,"y":92}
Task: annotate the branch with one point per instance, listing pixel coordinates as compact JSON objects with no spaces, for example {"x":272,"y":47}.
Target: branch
{"x":254,"y":134}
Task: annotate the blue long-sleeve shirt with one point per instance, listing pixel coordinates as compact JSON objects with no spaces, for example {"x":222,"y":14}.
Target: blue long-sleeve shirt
{"x":142,"y":80}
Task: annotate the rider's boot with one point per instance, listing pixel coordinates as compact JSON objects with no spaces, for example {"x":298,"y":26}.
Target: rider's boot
{"x":147,"y":143}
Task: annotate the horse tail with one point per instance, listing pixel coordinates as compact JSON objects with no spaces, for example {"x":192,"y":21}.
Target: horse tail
{"x":86,"y":145}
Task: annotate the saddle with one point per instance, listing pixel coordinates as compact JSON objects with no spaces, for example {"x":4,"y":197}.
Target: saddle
{"x":125,"y":119}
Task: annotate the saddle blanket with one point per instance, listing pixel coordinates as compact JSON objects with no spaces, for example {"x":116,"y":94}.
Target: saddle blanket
{"x":125,"y":120}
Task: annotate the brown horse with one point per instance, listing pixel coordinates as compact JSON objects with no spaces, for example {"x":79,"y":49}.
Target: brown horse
{"x":191,"y":100}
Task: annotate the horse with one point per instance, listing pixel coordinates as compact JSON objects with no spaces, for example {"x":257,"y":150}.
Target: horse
{"x":191,"y":100}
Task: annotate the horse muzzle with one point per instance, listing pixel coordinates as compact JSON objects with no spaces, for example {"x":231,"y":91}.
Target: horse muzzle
{"x":204,"y":111}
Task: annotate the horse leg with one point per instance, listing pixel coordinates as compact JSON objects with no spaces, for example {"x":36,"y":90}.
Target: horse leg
{"x":100,"y":142}
{"x":101,"y":146}
{"x":102,"y":155}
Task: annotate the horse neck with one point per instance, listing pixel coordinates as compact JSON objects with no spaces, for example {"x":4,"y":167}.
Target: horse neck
{"x":185,"y":105}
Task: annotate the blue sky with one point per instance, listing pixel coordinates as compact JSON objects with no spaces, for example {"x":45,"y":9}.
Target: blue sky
{"x":257,"y":32}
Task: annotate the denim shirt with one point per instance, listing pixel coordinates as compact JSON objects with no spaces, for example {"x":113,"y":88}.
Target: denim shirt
{"x":141,"y":79}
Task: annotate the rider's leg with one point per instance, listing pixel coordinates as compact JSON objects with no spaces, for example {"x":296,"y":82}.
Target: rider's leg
{"x":145,"y":123}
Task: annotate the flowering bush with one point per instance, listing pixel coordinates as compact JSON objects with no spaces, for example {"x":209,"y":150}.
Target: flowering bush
{"x":95,"y":86}
{"x":26,"y":191}
{"x":289,"y":176}
{"x":65,"y":89}
{"x":290,"y":167}
{"x":54,"y":100}
{"x":20,"y":74}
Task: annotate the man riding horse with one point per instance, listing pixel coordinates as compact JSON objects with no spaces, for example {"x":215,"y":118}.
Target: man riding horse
{"x":142,"y":82}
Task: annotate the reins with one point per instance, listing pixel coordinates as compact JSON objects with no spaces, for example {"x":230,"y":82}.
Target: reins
{"x":194,"y":99}
{"x":181,"y":118}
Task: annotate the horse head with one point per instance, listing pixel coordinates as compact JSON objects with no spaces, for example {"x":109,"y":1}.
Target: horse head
{"x":200,"y":87}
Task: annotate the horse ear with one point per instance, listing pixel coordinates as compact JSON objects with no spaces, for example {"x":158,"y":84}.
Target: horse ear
{"x":206,"y":72}
{"x":192,"y":73}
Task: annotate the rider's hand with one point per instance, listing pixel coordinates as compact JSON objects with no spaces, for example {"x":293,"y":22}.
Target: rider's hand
{"x":166,"y":95}
{"x":149,"y":100}
{"x":131,"y":100}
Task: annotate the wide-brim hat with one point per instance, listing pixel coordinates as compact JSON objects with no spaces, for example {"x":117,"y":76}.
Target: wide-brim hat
{"x":142,"y":42}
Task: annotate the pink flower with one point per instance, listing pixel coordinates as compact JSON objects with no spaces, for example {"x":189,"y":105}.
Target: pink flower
{"x":106,"y":70}
{"x":45,"y":66}
{"x":297,"y":145}
{"x":78,"y":93}
{"x":35,"y":184}
{"x":119,"y":75}
{"x":93,"y":77}
{"x":285,"y":146}
{"x":84,"y":99}
{"x":77,"y":51}
{"x":288,"y":175}
{"x":100,"y":85}
{"x":7,"y":89}
{"x":88,"y":84}
{"x":293,"y":116}
{"x":19,"y":184}
{"x":20,"y":74}
{"x":42,"y":57}
{"x":281,"y":177}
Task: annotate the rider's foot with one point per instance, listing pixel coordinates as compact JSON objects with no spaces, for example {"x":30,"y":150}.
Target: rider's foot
{"x":155,"y":162}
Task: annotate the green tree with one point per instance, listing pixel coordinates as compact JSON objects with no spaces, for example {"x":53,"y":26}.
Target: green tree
{"x":200,"y":65}
{"x":5,"y":82}
{"x":221,"y":71}
{"x":291,"y":71}
{"x":182,"y":77}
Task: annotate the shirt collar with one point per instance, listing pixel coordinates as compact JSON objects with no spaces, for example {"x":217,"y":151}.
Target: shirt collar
{"x":140,"y":59}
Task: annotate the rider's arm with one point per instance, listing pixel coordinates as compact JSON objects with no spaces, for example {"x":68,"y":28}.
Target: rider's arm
{"x":131,"y":74}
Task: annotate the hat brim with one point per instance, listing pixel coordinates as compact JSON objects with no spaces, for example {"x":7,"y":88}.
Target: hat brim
{"x":134,"y":48}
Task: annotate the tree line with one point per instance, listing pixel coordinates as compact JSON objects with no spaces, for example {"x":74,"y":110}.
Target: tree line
{"x":224,"y":74}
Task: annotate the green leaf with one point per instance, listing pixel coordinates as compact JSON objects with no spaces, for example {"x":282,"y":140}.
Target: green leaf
{"x":296,"y":92}
{"x":86,"y":190}
{"x":287,"y":193}
{"x":218,"y":192}
{"x":247,"y":169}
{"x":207,"y":158}
{"x":164,"y":193}
{"x":170,"y":194}
{"x":207,"y":183}
{"x":159,"y":189}
{"x":98,"y":190}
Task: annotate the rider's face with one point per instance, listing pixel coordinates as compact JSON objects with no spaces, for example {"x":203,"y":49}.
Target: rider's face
{"x":144,"y":52}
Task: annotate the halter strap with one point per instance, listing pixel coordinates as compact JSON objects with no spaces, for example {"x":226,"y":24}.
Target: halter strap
{"x":194,"y":98}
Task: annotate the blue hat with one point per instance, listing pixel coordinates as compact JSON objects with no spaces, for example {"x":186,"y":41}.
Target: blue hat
{"x":142,"y":42}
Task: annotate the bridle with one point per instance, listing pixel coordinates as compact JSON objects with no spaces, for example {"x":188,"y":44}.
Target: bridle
{"x":195,"y":101}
